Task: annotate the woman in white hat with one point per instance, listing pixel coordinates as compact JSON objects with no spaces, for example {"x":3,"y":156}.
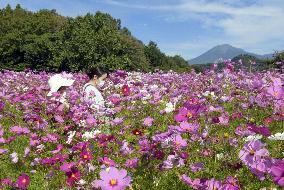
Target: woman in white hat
{"x":59,"y":84}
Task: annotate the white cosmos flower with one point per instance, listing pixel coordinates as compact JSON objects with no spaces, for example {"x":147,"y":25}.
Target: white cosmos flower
{"x":90,"y":134}
{"x":253,"y":137}
{"x":81,"y":182}
{"x":70,"y":137}
{"x":169,"y":107}
{"x":277,"y":136}
{"x":220,"y":156}
{"x":82,"y":123}
{"x":14,"y":157}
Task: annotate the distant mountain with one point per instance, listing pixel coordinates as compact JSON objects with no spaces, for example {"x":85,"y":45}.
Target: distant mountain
{"x":224,"y":51}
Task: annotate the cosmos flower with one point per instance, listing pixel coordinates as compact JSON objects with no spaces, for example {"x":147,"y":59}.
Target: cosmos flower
{"x":14,"y":157}
{"x":125,"y":90}
{"x":189,"y":127}
{"x":169,"y":107}
{"x":195,"y":184}
{"x":179,"y":142}
{"x":231,"y":184}
{"x":113,"y":179}
{"x":73,"y":176}
{"x":213,"y":184}
{"x":253,"y":152}
{"x":276,"y":89}
{"x":172,"y":161}
{"x":131,"y":163}
{"x":196,"y":167}
{"x":19,"y":130}
{"x":126,"y":148}
{"x":277,"y":136}
{"x":148,"y":121}
{"x":86,"y":155}
{"x":23,"y":181}
{"x":277,"y":172}
{"x":66,"y":167}
{"x":107,"y":161}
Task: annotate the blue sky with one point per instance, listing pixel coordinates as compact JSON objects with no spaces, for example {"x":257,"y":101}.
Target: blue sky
{"x":186,"y":27}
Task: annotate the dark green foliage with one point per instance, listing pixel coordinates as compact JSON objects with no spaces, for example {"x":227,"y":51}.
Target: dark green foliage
{"x":44,"y":40}
{"x":159,"y":60}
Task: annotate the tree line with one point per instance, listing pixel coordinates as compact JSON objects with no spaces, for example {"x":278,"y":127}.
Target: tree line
{"x":47,"y":41}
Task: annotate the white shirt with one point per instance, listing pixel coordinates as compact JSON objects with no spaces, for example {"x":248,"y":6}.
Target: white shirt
{"x":93,"y":94}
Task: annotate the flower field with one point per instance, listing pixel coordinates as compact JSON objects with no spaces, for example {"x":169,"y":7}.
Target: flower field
{"x":161,"y":130}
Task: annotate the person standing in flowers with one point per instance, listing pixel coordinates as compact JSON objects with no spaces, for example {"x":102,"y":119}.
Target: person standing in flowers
{"x":58,"y":86}
{"x":90,"y":90}
{"x":93,"y":95}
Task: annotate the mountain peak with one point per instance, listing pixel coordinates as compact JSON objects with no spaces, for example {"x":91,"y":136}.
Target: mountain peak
{"x":223,"y":51}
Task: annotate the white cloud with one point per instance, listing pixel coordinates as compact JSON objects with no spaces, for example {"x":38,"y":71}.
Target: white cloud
{"x":246,"y":25}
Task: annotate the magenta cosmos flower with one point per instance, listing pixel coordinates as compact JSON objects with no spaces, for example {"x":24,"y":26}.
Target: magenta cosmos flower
{"x":277,"y":172}
{"x":23,"y":181}
{"x":86,"y":156}
{"x":125,"y":90}
{"x":72,"y":176}
{"x":113,"y":179}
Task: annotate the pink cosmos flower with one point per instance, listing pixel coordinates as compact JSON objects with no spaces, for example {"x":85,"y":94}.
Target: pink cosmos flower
{"x":107,"y":161}
{"x":131,"y":163}
{"x":5,"y":182}
{"x":113,"y":179}
{"x":276,"y":90}
{"x":197,"y":167}
{"x":179,"y":142}
{"x":3,"y":151}
{"x":148,"y":121}
{"x":231,"y":184}
{"x":253,"y":152}
{"x":195,"y":184}
{"x":189,"y":127}
{"x":66,"y":167}
{"x":19,"y":130}
{"x":213,"y":184}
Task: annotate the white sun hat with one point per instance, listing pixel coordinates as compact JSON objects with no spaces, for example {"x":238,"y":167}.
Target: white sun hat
{"x":57,"y":81}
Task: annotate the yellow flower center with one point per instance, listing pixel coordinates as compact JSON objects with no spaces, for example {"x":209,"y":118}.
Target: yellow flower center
{"x":276,"y":93}
{"x":24,"y":181}
{"x":189,"y":115}
{"x":113,"y":182}
{"x":107,"y":162}
{"x":85,"y":156}
{"x":251,"y":152}
{"x":226,"y":135}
